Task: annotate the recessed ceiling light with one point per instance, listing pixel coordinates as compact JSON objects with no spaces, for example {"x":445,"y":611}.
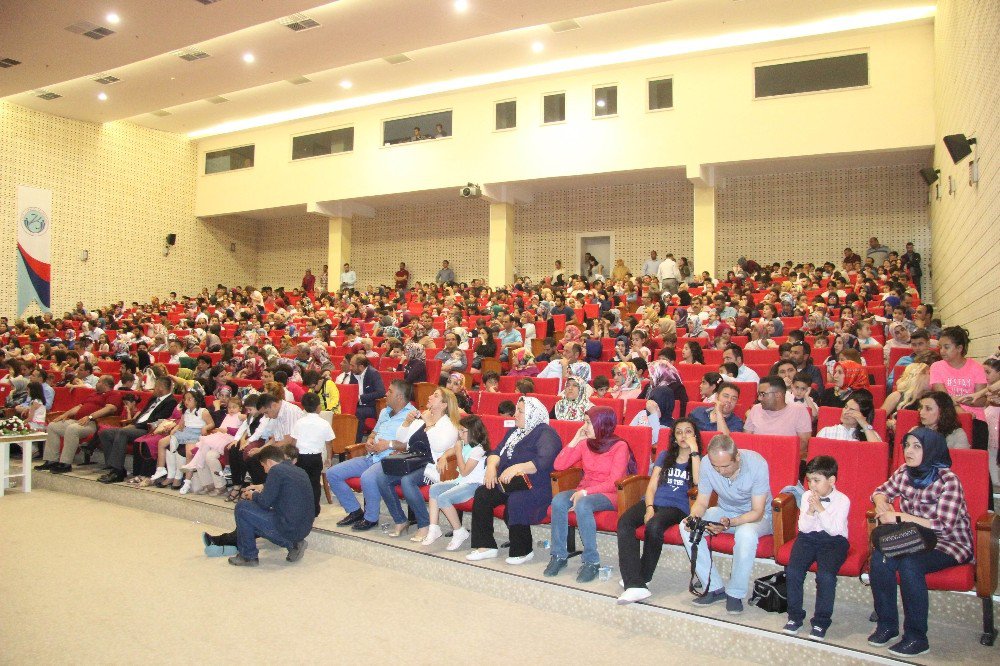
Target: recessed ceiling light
{"x":346,"y":85}
{"x":538,"y":47}
{"x":601,"y":103}
{"x":461,"y":5}
{"x":248,"y":58}
{"x":102,"y":96}
{"x":113,"y":18}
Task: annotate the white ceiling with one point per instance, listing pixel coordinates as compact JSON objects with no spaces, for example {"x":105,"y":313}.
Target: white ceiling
{"x":353,"y":38}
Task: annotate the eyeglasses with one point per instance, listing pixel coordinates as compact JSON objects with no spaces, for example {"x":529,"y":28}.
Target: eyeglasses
{"x":761,"y":394}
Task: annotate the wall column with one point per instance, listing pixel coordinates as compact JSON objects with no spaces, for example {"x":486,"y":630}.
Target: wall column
{"x":338,"y":251}
{"x":704,"y":228}
{"x":501,"y":268}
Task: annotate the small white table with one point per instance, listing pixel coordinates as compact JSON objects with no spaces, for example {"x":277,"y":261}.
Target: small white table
{"x":25,"y":441}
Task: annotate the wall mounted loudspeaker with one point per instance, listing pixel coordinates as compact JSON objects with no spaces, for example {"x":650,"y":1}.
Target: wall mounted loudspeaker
{"x":171,"y":239}
{"x":930,"y":175}
{"x":958,"y":146}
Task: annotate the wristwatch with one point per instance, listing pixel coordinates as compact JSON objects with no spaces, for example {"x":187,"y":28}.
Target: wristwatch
{"x":869,"y":427}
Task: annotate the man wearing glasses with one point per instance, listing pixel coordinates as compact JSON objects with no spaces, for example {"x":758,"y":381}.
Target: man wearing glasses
{"x":772,"y":416}
{"x":741,"y":481}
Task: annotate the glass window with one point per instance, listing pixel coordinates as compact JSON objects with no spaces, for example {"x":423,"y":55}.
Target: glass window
{"x":661,"y":94}
{"x":229,"y":159}
{"x":506,"y":115}
{"x":323,"y":143}
{"x":435,"y":125}
{"x":606,"y":101}
{"x":554,"y":108}
{"x":790,"y":78}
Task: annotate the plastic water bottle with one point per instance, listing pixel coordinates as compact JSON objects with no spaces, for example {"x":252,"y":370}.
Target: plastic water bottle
{"x":543,"y":544}
{"x":604,"y":573}
{"x":384,"y":527}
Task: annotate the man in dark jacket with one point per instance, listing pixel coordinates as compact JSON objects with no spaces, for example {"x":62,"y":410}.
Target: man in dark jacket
{"x":282,"y":512}
{"x":114,"y":441}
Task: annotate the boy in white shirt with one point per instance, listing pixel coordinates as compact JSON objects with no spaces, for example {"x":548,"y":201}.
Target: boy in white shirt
{"x":312,"y":436}
{"x":822,"y":539}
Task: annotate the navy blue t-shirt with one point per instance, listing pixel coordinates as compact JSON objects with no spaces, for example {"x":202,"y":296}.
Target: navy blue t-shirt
{"x":672,"y":490}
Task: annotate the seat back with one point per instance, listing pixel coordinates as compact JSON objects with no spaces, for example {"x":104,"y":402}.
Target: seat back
{"x":862,"y":467}
{"x":345,"y":431}
{"x":495,"y":427}
{"x":632,"y":407}
{"x":601,"y":368}
{"x":639,"y":442}
{"x":548,"y":400}
{"x":616,"y":404}
{"x":489,"y":402}
{"x":421,"y":392}
{"x":348,"y":398}
{"x":908,"y":419}
{"x":781,"y":453}
{"x":567,"y":429}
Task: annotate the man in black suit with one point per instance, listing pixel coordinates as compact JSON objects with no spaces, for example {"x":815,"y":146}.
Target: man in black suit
{"x":370,"y":390}
{"x":911,"y":261}
{"x":114,"y":441}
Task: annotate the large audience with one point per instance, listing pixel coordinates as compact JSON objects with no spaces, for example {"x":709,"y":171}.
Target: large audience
{"x":525,"y":392}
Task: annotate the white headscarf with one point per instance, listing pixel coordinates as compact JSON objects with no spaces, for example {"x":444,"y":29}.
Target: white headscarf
{"x":535,"y":414}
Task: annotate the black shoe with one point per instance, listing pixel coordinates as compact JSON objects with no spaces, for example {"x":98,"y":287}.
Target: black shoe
{"x":61,"y":468}
{"x":45,"y":466}
{"x":114,"y":476}
{"x":351,"y":518}
{"x":882,"y":636}
{"x":910,"y":647}
{"x":296,"y":552}
{"x":364,"y":525}
{"x":88,"y":453}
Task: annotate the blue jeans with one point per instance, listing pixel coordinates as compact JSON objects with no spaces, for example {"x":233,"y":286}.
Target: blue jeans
{"x":252,"y":522}
{"x":364,"y":467}
{"x":585,"y":508}
{"x":912,"y":570}
{"x":411,"y":484}
{"x":744,"y":552}
{"x":829,"y":553}
{"x":450,"y":493}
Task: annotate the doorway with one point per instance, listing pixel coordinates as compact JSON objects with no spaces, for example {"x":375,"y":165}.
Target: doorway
{"x":601,"y":246}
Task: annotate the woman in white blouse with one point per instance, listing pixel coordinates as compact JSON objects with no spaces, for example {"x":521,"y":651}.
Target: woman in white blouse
{"x":855,"y":420}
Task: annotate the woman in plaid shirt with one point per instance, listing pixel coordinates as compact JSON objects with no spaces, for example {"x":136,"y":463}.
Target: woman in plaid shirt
{"x":930,"y":495}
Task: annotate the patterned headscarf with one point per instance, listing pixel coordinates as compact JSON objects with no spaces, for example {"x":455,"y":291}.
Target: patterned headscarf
{"x":522,"y":357}
{"x":662,"y":373}
{"x":535,"y":414}
{"x":391,"y":332}
{"x":571,"y":334}
{"x":415,"y":352}
{"x":573,"y":410}
{"x":626,"y":376}
{"x":682,"y":317}
{"x":855,"y":375}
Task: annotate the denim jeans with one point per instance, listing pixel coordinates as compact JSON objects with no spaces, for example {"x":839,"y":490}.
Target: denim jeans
{"x":253,"y":521}
{"x":411,"y":484}
{"x":450,"y":493}
{"x":585,"y":508}
{"x":829,"y":553}
{"x":744,"y":552}
{"x":364,"y":467}
{"x":912,"y":570}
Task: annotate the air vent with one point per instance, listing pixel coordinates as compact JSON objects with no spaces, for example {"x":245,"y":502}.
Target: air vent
{"x":46,"y":95}
{"x":298,"y":22}
{"x":216,"y":100}
{"x":299,"y":80}
{"x":564,"y":26}
{"x":106,"y":79}
{"x":9,"y":62}
{"x":91,"y":30}
{"x":160,"y":114}
{"x":190,"y":54}
{"x":398,"y":59}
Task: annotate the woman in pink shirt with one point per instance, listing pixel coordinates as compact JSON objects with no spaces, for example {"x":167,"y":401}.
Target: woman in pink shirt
{"x":959,"y":376}
{"x":605,"y":459}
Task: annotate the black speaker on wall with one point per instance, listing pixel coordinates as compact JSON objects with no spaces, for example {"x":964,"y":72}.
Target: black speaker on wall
{"x":959,"y":147}
{"x":930,"y":175}
{"x":171,"y":239}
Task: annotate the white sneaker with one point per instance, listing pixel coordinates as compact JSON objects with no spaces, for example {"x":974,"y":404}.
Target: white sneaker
{"x":633,"y":594}
{"x":458,"y":537}
{"x":521,"y":560}
{"x":477,"y":555}
{"x":186,"y":487}
{"x":433,"y":534}
{"x":159,"y":474}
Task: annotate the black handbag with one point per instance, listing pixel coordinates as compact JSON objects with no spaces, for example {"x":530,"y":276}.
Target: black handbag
{"x":770,"y":593}
{"x":416,"y":457}
{"x":899,"y":539}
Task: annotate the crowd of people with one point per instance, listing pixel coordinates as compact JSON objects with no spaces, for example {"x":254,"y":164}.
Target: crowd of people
{"x":252,"y":376}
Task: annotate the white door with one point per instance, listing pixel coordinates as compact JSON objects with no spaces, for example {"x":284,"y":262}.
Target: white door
{"x":600,"y":247}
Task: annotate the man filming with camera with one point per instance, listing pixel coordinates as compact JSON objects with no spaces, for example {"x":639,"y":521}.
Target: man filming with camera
{"x":741,"y":481}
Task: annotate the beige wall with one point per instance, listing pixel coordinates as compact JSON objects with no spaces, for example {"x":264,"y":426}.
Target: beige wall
{"x":117,"y":190}
{"x":715,"y":120}
{"x":966,"y":225}
{"x":285,"y":248}
{"x":813,"y":216}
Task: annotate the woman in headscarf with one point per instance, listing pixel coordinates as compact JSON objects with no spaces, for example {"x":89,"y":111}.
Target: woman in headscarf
{"x":931,"y":496}
{"x":319,"y":360}
{"x":522,"y":363}
{"x":529,"y":449}
{"x":605,"y":459}
{"x":848,"y":377}
{"x":571,"y":334}
{"x":456,"y":384}
{"x":659,"y":412}
{"x":574,"y":404}
{"x":620,"y":272}
{"x":663,"y":373}
{"x":626,"y":382}
{"x":414,"y":367}
{"x":681,"y":317}
{"x":623,"y":350}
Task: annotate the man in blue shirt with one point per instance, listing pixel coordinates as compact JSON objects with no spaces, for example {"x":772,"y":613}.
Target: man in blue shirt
{"x":734,"y":354}
{"x":378,"y":445}
{"x":510,"y":338}
{"x":741,"y":481}
{"x":722,"y":417}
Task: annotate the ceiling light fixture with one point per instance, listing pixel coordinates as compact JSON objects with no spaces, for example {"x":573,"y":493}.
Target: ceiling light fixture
{"x":461,"y":5}
{"x":102,"y":96}
{"x":668,"y":49}
{"x":113,"y":18}
{"x":248,"y":58}
{"x":346,"y":85}
{"x":538,"y":47}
